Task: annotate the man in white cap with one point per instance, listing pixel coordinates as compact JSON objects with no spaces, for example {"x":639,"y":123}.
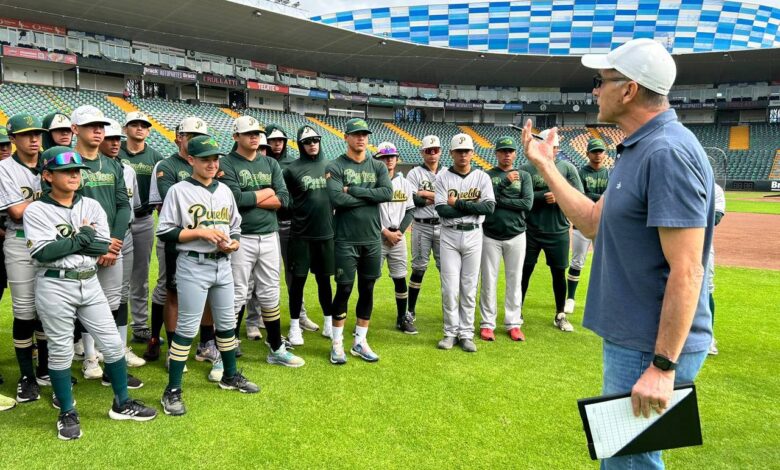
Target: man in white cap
{"x":464,"y":196}
{"x":654,"y":225}
{"x":425,"y":227}
{"x":136,"y":153}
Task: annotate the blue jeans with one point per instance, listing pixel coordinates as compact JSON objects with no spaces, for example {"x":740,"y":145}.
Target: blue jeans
{"x":622,"y":369}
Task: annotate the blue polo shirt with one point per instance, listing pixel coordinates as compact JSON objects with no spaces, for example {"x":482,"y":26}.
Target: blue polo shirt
{"x":661,"y":178}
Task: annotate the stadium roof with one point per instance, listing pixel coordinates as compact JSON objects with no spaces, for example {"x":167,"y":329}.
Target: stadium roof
{"x":234,"y":30}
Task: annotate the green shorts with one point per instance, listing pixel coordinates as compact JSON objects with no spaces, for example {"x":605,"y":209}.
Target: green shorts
{"x":555,"y":246}
{"x":366,"y":260}
{"x":316,"y":256}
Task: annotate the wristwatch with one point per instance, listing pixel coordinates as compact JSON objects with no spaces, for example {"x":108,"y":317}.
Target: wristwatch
{"x":664,"y":363}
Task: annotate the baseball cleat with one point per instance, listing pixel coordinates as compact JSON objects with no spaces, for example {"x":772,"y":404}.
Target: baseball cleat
{"x":562,"y":323}
{"x":91,"y":369}
{"x":253,"y":333}
{"x":406,"y":324}
{"x":133,"y":383}
{"x":68,"y":425}
{"x":467,"y":344}
{"x":132,"y":359}
{"x":43,"y":380}
{"x":142,"y":335}
{"x":55,"y":402}
{"x":27,"y":390}
{"x":568,"y":307}
{"x":447,"y":342}
{"x":207,"y":352}
{"x":217,"y":368}
{"x":133,"y":410}
{"x":172,"y":403}
{"x":238,"y":382}
{"x":283,"y":357}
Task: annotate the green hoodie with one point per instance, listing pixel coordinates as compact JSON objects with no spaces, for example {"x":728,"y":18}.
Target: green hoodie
{"x":46,"y":138}
{"x":283,"y":160}
{"x":312,"y":214}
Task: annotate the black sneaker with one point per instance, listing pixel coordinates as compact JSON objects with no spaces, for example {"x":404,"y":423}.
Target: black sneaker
{"x":131,"y":409}
{"x":407,"y":324}
{"x":133,"y":383}
{"x":238,"y":382}
{"x":55,"y":402}
{"x":172,"y":402}
{"x":27,"y":390}
{"x":43,"y":380}
{"x":68,"y":425}
{"x":142,"y":335}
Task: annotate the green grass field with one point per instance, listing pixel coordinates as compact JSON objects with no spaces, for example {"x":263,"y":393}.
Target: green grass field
{"x":753,"y":202}
{"x":508,"y":405}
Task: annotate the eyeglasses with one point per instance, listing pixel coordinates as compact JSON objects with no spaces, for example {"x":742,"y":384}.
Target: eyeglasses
{"x":311,"y":141}
{"x":432,"y":151}
{"x":64,"y":159}
{"x":598,"y":80}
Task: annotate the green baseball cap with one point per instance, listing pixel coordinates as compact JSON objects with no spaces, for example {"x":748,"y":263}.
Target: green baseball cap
{"x":203,"y":146}
{"x":62,"y":158}
{"x":357,"y":125}
{"x":506,"y":143}
{"x":24,"y":122}
{"x":596,"y":144}
{"x":4,"y":136}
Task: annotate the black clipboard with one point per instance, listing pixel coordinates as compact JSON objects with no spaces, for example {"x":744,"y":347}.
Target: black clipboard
{"x":678,"y":426}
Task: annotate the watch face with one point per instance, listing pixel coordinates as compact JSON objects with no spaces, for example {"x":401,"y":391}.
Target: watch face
{"x":662,"y":362}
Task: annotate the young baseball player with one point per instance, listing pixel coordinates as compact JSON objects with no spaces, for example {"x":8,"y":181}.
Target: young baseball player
{"x":138,"y":155}
{"x":464,"y":196}
{"x":356,"y":185}
{"x":20,"y":184}
{"x":66,"y":235}
{"x":548,"y":230}
{"x":504,"y":238}
{"x":595,"y":179}
{"x":259,"y":190}
{"x":6,"y":148}
{"x":395,"y":217}
{"x":103,"y":180}
{"x":200,"y":219}
{"x":425,"y":228}
{"x":110,"y":147}
{"x":311,"y":231}
{"x":277,"y":149}
{"x":58,"y":130}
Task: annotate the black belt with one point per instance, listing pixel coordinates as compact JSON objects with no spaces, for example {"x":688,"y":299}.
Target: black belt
{"x":214,"y":255}
{"x":432,"y":221}
{"x":70,"y":274}
{"x":465,"y":227}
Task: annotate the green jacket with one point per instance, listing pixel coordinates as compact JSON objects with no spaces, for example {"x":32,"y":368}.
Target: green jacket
{"x":594,"y":182}
{"x":513,"y":202}
{"x":548,"y":218}
{"x":143,"y":163}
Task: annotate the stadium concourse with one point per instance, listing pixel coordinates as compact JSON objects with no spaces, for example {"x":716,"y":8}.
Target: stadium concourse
{"x":753,"y":161}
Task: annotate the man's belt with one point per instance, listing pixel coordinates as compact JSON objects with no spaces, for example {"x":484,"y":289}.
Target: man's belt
{"x":214,"y":255}
{"x":465,"y":227}
{"x":432,"y":221}
{"x":70,"y":274}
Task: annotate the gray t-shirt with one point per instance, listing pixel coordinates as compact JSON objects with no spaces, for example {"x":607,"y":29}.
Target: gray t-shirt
{"x":661,"y":179}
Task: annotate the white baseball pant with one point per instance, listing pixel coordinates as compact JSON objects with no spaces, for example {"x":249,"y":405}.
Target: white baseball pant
{"x":512,"y":251}
{"x":461,"y":252}
{"x":255,"y":266}
{"x":579,"y":249}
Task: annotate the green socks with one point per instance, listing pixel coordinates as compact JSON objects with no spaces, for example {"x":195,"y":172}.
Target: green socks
{"x":117,"y":373}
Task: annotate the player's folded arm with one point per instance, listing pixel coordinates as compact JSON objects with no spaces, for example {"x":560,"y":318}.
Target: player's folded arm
{"x":244,"y":199}
{"x":449,"y":212}
{"x":376,"y":195}
{"x":485,"y":207}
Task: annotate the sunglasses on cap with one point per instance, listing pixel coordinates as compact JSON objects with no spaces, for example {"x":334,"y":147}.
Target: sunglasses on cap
{"x":311,"y":141}
{"x":64,"y":159}
{"x":432,"y":150}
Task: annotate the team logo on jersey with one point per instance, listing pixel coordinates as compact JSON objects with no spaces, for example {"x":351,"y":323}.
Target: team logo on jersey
{"x":90,"y":179}
{"x":310,"y":183}
{"x":65,"y":230}
{"x":426,"y":185}
{"x":247,"y":179}
{"x":141,"y":168}
{"x":596,"y":183}
{"x":129,"y":192}
{"x":358,"y":177}
{"x":472,"y":194}
{"x":29,"y":194}
{"x":399,"y":196}
{"x":182,"y":175}
{"x":201,"y":216}
{"x":539,"y":182}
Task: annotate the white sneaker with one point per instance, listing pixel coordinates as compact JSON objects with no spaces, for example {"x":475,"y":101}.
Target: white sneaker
{"x":295,"y":337}
{"x":91,"y":369}
{"x":253,"y":333}
{"x":217,"y":368}
{"x":713,"y":348}
{"x":327,"y":327}
{"x":132,"y":359}
{"x":78,"y":351}
{"x":562,"y":323}
{"x":307,"y":324}
{"x":568,"y":307}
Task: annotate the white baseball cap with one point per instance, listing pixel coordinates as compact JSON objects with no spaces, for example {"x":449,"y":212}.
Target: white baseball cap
{"x":88,"y":115}
{"x":113,"y":129}
{"x":137,"y":116}
{"x":556,"y":140}
{"x":246,"y":124}
{"x":430,"y":141}
{"x":264,"y":141}
{"x":386,"y":149}
{"x":277,"y":134}
{"x":60,"y":121}
{"x":644,"y":61}
{"x":308,"y":133}
{"x":461,"y":142}
{"x":193,"y":125}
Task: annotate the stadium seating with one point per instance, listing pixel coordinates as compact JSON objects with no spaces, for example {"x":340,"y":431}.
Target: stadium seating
{"x":757,"y":162}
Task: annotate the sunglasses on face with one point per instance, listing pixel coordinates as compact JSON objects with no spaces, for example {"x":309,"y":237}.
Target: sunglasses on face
{"x":311,"y":141}
{"x":432,"y":151}
{"x":64,"y":159}
{"x":598,"y":80}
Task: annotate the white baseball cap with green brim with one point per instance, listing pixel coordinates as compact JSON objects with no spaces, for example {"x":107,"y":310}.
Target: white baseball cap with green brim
{"x":644,"y":61}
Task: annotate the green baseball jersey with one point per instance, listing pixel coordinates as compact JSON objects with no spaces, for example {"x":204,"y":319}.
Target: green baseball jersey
{"x":170,"y":171}
{"x":312,"y":214}
{"x":244,"y":177}
{"x":143,"y":163}
{"x":357,"y":210}
{"x":104,"y":181}
{"x":513,"y":201}
{"x":549,"y":218}
{"x":594,"y":182}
